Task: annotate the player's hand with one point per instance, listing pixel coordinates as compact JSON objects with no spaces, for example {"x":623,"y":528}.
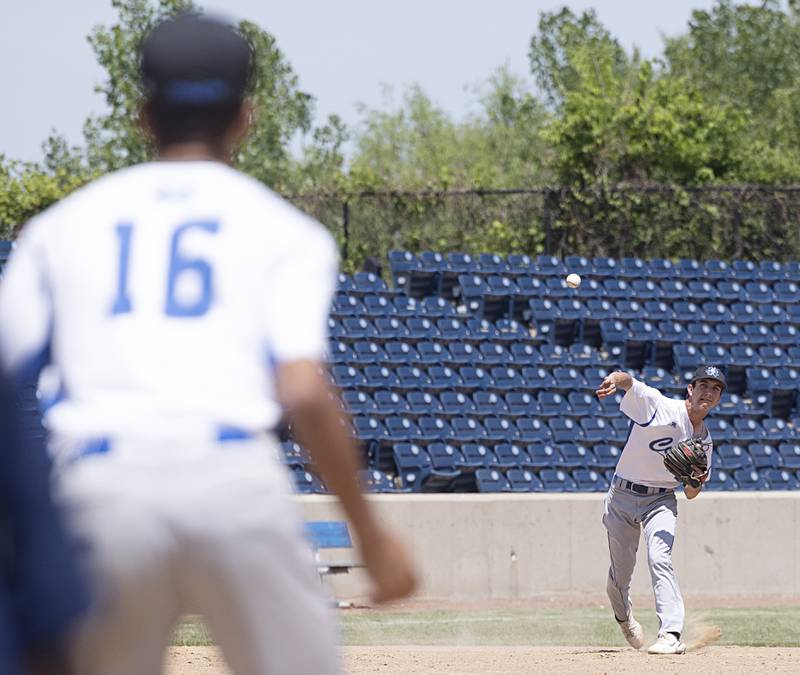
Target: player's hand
{"x":607,"y":388}
{"x":389,"y":563}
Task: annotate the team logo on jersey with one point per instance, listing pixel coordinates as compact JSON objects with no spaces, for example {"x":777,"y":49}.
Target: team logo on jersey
{"x":661,"y":444}
{"x":713,"y":371}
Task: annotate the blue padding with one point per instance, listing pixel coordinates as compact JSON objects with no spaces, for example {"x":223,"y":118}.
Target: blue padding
{"x":328,"y":534}
{"x":226,"y":433}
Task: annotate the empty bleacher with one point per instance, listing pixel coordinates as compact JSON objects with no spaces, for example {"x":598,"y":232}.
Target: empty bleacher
{"x":477,"y":373}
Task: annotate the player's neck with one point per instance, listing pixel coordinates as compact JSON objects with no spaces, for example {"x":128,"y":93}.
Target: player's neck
{"x":696,"y":416}
{"x":191,"y":151}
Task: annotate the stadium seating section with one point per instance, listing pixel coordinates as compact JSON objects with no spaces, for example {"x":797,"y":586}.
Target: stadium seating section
{"x":477,"y":373}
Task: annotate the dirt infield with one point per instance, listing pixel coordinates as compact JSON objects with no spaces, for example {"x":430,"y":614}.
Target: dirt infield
{"x":502,"y":660}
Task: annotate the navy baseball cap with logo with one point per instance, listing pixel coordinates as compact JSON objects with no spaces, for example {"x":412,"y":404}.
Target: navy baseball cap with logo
{"x":710,"y":373}
{"x":195,"y":61}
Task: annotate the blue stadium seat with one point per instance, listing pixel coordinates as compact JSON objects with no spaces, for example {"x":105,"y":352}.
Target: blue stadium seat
{"x":467,"y":430}
{"x":537,"y":379}
{"x":786,"y":292}
{"x":581,"y":355}
{"x":420,"y":329}
{"x":777,"y":431}
{"x":527,"y":289}
{"x":507,"y":379}
{"x":622,"y":426}
{"x":491,"y":263}
{"x":607,"y":455}
{"x":499,"y":430}
{"x":345,"y":304}
{"x":358,"y":328}
{"x":772,"y":356}
{"x":553,"y":403}
{"x":435,"y":429}
{"x":569,"y":378}
{"x":601,"y":309}
{"x":583,"y":404}
{"x":605,"y":268}
{"x":437,"y":308}
{"x":689,"y":270}
{"x":732,"y":457}
{"x":519,"y":264}
{"x":347,"y":377}
{"x":399,"y":354}
{"x":792,"y":270}
{"x":616,"y":289}
{"x":532,"y":430}
{"x":613,"y":332}
{"x":759,"y":379}
{"x":771,"y":314}
{"x":470,"y":290}
{"x":748,"y":430}
{"x":462,"y":354}
{"x":340,"y":353}
{"x":476,"y":455}
{"x":389,"y":329}
{"x":474,"y":378}
{"x":445,"y":457}
{"x":716,"y":354}
{"x":294,"y":455}
{"x":717,"y":269}
{"x":525,"y":354}
{"x":743,"y":270}
{"x":402,"y":263}
{"x":555,"y":480}
{"x":656,"y":310}
{"x":721,"y":430}
{"x":770,"y":270}
{"x":389,"y":403}
{"x":687,"y":311}
{"x":431,"y":353}
{"x":578,"y":264}
{"x":716,"y":312}
{"x":378,"y":377}
{"x":544,"y":455}
{"x":456,"y":404}
{"x":479,"y":330}
{"x":549,"y":265}
{"x":368,"y":353}
{"x":793,"y":355}
{"x":595,"y":429}
{"x":494,"y":354}
{"x":589,"y":480}
{"x":793,"y":313}
{"x":523,"y":480}
{"x":730,"y":406}
{"x":744,"y":355}
{"x":487,"y":403}
{"x":511,"y":456}
{"x":720,"y":480}
{"x":786,"y":334}
{"x":358,"y":402}
{"x":443,"y":378}
{"x":411,"y":378}
{"x":498,"y":297}
{"x":758,"y":292}
{"x":413,"y":464}
{"x":422,"y":403}
{"x":553,"y":355}
{"x":405,"y":306}
{"x":367,"y":283}
{"x":400,"y":429}
{"x":728,"y":334}
{"x":451,"y":329}
{"x":345,"y":284}
{"x":685,"y":356}
{"x":744,"y":313}
{"x":589,"y":288}
{"x":645,"y":290}
{"x":750,"y":479}
{"x":378,"y":305}
{"x":661,"y":268}
{"x":673,"y":289}
{"x":375,"y":481}
{"x":633,"y":268}
{"x":702,"y":333}
{"x":730,"y":291}
{"x":491,"y":480}
{"x":521,"y":403}
{"x":702,"y":291}
{"x":510,"y":331}
{"x":307,"y":483}
{"x":790,"y":455}
{"x":628,"y":310}
{"x":564,"y":430}
{"x":576,"y":456}
{"x":781,"y":479}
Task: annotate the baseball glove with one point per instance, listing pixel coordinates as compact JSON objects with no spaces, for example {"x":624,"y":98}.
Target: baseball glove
{"x":687,"y":461}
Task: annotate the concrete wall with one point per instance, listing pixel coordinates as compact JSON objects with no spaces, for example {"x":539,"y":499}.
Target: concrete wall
{"x":481,"y":547}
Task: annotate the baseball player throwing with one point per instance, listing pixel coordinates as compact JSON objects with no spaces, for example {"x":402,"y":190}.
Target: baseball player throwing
{"x":642,"y":493}
{"x":183,"y":306}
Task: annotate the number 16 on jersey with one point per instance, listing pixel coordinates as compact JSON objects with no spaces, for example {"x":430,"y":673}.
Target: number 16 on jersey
{"x":179,"y":266}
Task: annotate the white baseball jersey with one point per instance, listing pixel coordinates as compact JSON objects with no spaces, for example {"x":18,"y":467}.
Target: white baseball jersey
{"x":164,"y":295}
{"x":657,"y":422}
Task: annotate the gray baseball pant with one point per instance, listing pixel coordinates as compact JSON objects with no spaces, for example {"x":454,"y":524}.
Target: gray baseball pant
{"x":625,"y":514}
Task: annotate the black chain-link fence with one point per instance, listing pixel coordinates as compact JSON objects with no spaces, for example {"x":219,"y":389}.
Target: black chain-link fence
{"x":725,"y":222}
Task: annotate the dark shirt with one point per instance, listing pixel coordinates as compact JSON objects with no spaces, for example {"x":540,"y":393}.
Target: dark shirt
{"x":41,"y":591}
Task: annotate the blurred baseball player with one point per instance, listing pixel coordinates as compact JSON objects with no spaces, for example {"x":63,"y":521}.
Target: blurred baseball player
{"x":642,"y":496}
{"x":184,"y":307}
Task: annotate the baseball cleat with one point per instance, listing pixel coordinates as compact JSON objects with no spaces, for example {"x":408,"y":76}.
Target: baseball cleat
{"x":632,"y":630}
{"x":667,"y":643}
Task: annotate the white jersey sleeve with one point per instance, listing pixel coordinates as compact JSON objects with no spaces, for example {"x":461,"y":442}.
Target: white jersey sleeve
{"x":25,"y":295}
{"x":641,"y":402}
{"x":296,"y":317}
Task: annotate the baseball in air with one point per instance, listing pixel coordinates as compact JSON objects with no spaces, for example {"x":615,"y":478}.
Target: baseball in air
{"x":573,"y":280}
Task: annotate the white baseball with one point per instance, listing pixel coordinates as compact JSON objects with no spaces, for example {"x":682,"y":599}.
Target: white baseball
{"x":573,"y":280}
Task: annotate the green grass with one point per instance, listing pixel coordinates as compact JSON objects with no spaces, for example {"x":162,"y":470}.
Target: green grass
{"x":766,"y":627}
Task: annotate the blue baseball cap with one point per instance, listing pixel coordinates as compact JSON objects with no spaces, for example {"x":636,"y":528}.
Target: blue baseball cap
{"x":710,"y":373}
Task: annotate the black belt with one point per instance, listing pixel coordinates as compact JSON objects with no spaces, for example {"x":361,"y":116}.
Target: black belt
{"x":640,"y":489}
